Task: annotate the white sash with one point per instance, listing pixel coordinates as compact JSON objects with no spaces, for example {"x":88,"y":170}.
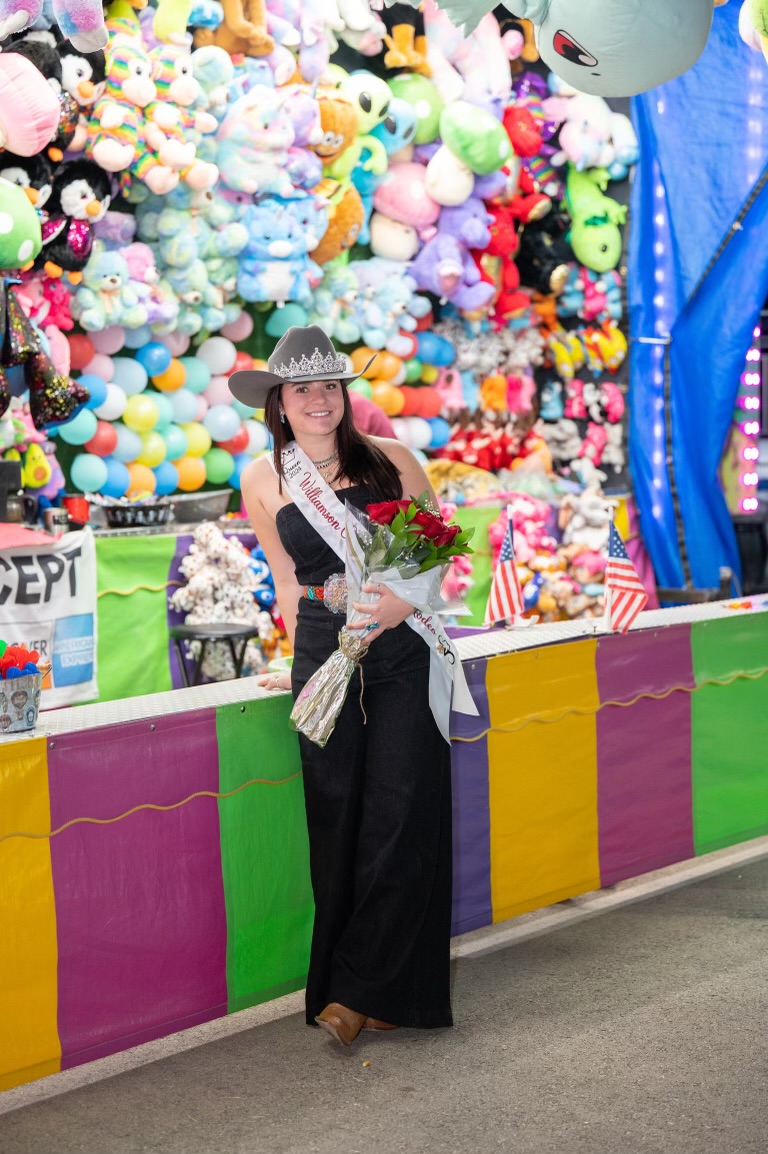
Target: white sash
{"x":322,"y":508}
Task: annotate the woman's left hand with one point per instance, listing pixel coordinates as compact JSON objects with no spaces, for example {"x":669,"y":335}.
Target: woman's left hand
{"x":386,"y":613}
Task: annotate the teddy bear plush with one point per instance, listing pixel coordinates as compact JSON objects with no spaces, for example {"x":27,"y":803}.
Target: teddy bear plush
{"x":106,"y":296}
{"x":275,"y":264}
{"x":201,"y":305}
{"x":243,"y":30}
{"x":345,"y":221}
{"x":113,"y":128}
{"x":334,"y":304}
{"x":253,"y":143}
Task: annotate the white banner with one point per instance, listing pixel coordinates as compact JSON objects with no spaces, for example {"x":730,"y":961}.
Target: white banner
{"x":48,"y":603}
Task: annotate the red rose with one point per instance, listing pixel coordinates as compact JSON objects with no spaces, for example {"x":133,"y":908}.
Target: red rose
{"x":385,"y":512}
{"x":430,"y":526}
{"x":448,"y":536}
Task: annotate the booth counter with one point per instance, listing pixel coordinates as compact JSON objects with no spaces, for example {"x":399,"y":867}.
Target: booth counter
{"x":153,"y":851}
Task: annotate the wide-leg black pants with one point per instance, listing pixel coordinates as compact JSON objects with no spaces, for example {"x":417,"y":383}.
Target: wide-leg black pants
{"x":378,"y":802}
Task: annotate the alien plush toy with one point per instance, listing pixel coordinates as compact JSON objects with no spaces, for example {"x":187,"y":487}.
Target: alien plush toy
{"x":606,"y":47}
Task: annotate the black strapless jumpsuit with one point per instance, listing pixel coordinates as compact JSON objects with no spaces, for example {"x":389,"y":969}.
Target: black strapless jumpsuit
{"x":378,"y":802}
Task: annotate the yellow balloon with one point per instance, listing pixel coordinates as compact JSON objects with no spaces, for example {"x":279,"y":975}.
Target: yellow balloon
{"x":141,"y":413}
{"x":198,"y":439}
{"x":191,"y":472}
{"x":429,"y":374}
{"x":153,"y":450}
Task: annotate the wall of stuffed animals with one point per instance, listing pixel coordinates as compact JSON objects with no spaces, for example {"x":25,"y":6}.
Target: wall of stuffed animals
{"x":181,"y":182}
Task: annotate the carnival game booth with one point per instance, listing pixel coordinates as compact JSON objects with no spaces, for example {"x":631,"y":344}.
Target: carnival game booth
{"x":153,"y":851}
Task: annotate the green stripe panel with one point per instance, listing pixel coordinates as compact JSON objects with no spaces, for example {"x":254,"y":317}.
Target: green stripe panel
{"x":480,"y":519}
{"x":730,"y":732}
{"x":264,"y":853}
{"x":133,"y":629}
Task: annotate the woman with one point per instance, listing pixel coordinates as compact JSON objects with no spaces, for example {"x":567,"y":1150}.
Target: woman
{"x":377,"y":796}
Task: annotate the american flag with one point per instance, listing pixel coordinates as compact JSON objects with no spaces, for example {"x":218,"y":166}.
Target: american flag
{"x":624,"y":591}
{"x":506,"y":600}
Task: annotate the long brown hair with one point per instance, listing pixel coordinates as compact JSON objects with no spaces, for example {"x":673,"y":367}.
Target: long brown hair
{"x":360,"y":461}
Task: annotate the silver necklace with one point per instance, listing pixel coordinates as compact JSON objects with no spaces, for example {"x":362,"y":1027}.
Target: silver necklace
{"x":328,"y":461}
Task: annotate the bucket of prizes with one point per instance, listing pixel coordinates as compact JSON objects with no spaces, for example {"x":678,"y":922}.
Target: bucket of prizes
{"x":21,"y":685}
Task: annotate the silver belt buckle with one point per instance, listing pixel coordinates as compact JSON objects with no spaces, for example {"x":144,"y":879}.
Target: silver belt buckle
{"x":335,"y":593}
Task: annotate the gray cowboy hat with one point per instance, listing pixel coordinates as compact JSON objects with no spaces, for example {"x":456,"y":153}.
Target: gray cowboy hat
{"x":303,"y":353}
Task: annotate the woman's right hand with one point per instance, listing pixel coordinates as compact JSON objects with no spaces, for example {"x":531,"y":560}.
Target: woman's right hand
{"x":274,"y":681}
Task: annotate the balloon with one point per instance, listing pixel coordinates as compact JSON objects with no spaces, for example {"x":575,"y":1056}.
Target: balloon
{"x":100,"y":366}
{"x":240,"y":329}
{"x":218,"y":354}
{"x":138,"y":338}
{"x":104,"y":440}
{"x":441,"y":433}
{"x":81,"y":350}
{"x":118,"y":478}
{"x":258,"y":437}
{"x":153,"y":449}
{"x":198,"y":374}
{"x":128,"y":444}
{"x":113,"y":405}
{"x":88,"y":473}
{"x":408,"y":394}
{"x":110,"y":340}
{"x":176,"y":343}
{"x":413,"y":370}
{"x":218,"y":466}
{"x":243,"y":411}
{"x":218,"y":392}
{"x":80,"y":429}
{"x":389,"y":398}
{"x":96,"y":386}
{"x":238,"y":443}
{"x":165,"y":410}
{"x":283,"y":318}
{"x":166,"y":478}
{"x":429,"y":403}
{"x":243,"y":361}
{"x":191,"y":472}
{"x":129,"y":375}
{"x":222,"y":422}
{"x":362,"y":387}
{"x":142,"y":480}
{"x":141,"y":413}
{"x":154,"y":357}
{"x":415,"y":432}
{"x":175,"y":442}
{"x":172,"y":379}
{"x":202,"y":408}
{"x":198,"y":439}
{"x":184,"y":405}
{"x":241,"y":460}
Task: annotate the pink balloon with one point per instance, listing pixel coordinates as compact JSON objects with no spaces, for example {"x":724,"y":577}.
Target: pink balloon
{"x":202,"y":407}
{"x":176,"y":343}
{"x":240,"y":329}
{"x":101,"y":366}
{"x":218,"y":392}
{"x":110,"y":340}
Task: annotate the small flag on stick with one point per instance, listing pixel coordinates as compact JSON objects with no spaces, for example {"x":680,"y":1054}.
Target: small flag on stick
{"x":625,"y":596}
{"x":506,"y":600}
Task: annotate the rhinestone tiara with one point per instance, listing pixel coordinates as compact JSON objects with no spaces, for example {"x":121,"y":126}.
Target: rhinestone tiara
{"x":322,"y":365}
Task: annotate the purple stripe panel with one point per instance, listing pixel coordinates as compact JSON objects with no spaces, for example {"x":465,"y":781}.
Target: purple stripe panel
{"x":644,"y":753}
{"x":140,"y":912}
{"x":471,"y":811}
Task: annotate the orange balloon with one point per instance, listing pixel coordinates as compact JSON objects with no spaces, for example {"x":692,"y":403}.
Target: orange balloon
{"x":172,"y":379}
{"x":191,"y":472}
{"x":360,"y":358}
{"x":142,"y":480}
{"x":387,"y":365}
{"x":390,"y":399}
{"x":429,"y":402}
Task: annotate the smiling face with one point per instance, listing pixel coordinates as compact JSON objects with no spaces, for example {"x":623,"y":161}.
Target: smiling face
{"x":313,"y":408}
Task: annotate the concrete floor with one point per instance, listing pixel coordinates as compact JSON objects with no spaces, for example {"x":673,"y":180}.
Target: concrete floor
{"x":641,"y":1030}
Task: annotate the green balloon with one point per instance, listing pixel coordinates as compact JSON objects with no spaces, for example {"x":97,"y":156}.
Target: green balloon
{"x":425,"y":100}
{"x":3,"y":647}
{"x":219,"y":466}
{"x":475,"y":136}
{"x":362,"y":387}
{"x":413,"y":370}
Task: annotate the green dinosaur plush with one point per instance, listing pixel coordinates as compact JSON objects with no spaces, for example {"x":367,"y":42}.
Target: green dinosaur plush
{"x":595,"y":235}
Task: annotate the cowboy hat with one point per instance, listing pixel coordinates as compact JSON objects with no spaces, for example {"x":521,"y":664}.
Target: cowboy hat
{"x":303,"y":353}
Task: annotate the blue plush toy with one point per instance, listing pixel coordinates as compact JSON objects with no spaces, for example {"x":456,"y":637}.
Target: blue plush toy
{"x":106,"y":296}
{"x":606,"y":47}
{"x":275,"y":264}
{"x":334,"y":304}
{"x":396,"y":131}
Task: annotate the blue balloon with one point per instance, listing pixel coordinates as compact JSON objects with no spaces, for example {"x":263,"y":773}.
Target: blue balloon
{"x":128,"y":445}
{"x":167,"y":478}
{"x":441,"y":433}
{"x":118,"y":478}
{"x":434,"y":349}
{"x":243,"y":411}
{"x":222,"y":422}
{"x":137,"y":338}
{"x":79,"y":428}
{"x":241,"y":460}
{"x":96,"y":387}
{"x":175,"y":442}
{"x":184,"y":405}
{"x":88,"y":473}
{"x":154,"y":357}
{"x":130,"y":375}
{"x":198,"y":374}
{"x":165,"y":408}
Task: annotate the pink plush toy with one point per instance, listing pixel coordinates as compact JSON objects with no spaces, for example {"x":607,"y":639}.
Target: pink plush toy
{"x":594,"y":443}
{"x":29,"y":108}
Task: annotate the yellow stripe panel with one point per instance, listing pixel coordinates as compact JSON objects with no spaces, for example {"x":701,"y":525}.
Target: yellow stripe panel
{"x":29,"y":1041}
{"x":543,"y":779}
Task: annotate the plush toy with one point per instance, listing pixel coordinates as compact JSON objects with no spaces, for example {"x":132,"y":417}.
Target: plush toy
{"x":446,"y":269}
{"x":80,"y":21}
{"x":595,"y":219}
{"x":306,"y":21}
{"x":345,"y":221}
{"x":201,"y":304}
{"x":214,"y":70}
{"x":83,"y":78}
{"x":80,"y":198}
{"x":113,"y":130}
{"x":608,"y":47}
{"x":545,"y":255}
{"x":21,"y":241}
{"x":105,"y":296}
{"x":29,"y":108}
{"x":33,"y":174}
{"x":354,"y":22}
{"x":304,"y":165}
{"x":406,"y":40}
{"x":253,"y":141}
{"x":333,"y":304}
{"x":496,"y":263}
{"x":370,"y":98}
{"x":275,"y":265}
{"x":155,"y":294}
{"x":402,"y":196}
{"x":474,"y":142}
{"x":179,"y":94}
{"x":339,"y":124}
{"x":243,"y":31}
{"x":388,"y":305}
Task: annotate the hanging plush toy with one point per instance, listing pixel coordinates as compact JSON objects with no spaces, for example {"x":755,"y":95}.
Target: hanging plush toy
{"x":80,"y":21}
{"x":29,"y":108}
{"x":80,"y":198}
{"x":31,"y":173}
{"x":244,"y":29}
{"x":21,"y":242}
{"x":595,"y":236}
{"x":608,"y":47}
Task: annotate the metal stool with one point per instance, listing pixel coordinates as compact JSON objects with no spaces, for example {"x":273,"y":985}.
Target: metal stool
{"x":230,"y":633}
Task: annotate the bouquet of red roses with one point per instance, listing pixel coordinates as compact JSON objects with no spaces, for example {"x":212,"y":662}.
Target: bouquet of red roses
{"x":406,"y":546}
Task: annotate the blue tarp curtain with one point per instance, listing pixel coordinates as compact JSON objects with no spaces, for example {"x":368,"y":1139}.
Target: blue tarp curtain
{"x":697,"y":280}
